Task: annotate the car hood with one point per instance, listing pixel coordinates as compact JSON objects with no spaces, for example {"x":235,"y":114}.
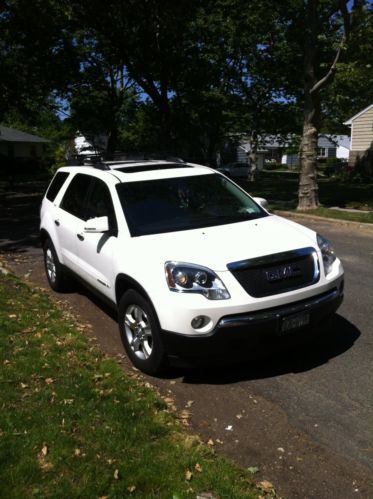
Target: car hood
{"x":215,"y":247}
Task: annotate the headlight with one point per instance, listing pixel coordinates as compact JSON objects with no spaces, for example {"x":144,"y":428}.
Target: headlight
{"x":327,"y":252}
{"x":189,"y":278}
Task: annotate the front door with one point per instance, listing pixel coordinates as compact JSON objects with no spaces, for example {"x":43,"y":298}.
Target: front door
{"x":95,"y":251}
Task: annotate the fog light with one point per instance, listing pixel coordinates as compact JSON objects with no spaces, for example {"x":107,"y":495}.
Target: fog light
{"x":200,"y":321}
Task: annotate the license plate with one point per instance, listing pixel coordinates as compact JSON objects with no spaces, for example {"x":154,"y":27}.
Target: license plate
{"x":294,"y":322}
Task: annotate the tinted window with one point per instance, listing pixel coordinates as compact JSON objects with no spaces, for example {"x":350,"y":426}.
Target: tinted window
{"x":99,"y":203}
{"x":56,"y":184}
{"x":173,"y":204}
{"x":75,"y":195}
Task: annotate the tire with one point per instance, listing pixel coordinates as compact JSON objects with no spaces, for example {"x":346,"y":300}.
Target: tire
{"x":55,"y":274}
{"x":139,"y":329}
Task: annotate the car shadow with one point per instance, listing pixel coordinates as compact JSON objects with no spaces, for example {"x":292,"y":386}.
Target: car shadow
{"x":296,"y":359}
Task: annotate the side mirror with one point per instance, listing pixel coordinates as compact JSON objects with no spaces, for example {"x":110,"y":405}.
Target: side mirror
{"x":97,"y":225}
{"x":262,"y":202}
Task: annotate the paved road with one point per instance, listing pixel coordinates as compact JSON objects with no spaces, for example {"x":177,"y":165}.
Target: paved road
{"x":304,"y":419}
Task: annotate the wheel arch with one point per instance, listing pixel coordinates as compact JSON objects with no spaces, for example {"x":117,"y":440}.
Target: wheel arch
{"x":124,"y":282}
{"x":44,"y":236}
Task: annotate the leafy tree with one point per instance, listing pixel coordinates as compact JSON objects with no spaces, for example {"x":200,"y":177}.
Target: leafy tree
{"x":37,"y":54}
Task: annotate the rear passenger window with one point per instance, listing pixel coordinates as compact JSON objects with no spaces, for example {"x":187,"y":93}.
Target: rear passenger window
{"x":75,"y":195}
{"x":55,"y":185}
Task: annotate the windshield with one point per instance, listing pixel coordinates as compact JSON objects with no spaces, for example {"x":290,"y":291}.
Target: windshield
{"x":184,"y":203}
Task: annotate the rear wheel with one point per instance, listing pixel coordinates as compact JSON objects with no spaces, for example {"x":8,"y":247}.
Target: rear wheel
{"x":139,"y":330}
{"x":53,"y":268}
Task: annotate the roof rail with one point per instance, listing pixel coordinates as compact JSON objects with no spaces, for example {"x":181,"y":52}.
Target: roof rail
{"x":101,"y":166}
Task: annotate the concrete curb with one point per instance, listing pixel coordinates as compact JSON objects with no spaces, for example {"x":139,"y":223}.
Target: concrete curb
{"x":356,"y":225}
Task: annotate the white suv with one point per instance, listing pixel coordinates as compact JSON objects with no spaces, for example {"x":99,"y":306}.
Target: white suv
{"x":193,"y":264}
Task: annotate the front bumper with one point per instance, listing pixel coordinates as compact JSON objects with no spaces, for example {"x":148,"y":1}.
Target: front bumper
{"x":243,"y":334}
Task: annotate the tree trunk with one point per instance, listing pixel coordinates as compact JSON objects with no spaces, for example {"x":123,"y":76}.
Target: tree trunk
{"x":308,"y":190}
{"x":165,"y":141}
{"x":253,"y":156}
{"x":112,"y":142}
{"x":308,"y":198}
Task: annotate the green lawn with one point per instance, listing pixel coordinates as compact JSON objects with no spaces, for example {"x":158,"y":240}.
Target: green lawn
{"x":73,"y":424}
{"x":281,"y":191}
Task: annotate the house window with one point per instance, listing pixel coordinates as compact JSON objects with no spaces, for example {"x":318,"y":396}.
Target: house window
{"x":322,"y":152}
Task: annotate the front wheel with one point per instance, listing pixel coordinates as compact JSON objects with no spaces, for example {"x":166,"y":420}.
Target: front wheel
{"x":139,"y":331}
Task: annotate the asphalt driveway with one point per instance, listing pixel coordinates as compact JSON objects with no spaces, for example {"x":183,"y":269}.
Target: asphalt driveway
{"x":304,"y":419}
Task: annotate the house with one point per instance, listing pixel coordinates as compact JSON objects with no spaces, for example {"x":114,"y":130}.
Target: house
{"x":328,"y":146}
{"x":361,"y":136}
{"x":270,"y":149}
{"x":243,"y":153}
{"x":284,"y":150}
{"x":20,"y":146}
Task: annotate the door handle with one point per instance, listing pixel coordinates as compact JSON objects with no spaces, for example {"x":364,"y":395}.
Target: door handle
{"x":80,"y":237}
{"x":57,"y":222}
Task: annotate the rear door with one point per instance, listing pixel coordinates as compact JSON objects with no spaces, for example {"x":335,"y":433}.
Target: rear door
{"x":70,"y":217}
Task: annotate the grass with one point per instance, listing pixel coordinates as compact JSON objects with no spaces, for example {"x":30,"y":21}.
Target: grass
{"x":281,"y":191}
{"x":343,"y":215}
{"x":73,"y":424}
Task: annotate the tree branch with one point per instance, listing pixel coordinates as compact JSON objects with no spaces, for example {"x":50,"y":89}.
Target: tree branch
{"x":346,"y":26}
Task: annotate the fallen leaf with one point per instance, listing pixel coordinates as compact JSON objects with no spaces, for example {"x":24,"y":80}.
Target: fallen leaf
{"x":266,"y":486}
{"x":131,"y":488}
{"x":253,"y":469}
{"x":198,"y":468}
{"x":210,"y":442}
{"x":189,"y":403}
{"x":116,"y":474}
{"x":229,"y":427}
{"x":281,"y":449}
{"x":43,"y":463}
{"x":77,"y":452}
{"x":188,"y":475}
{"x":239,"y":416}
{"x":49,"y":381}
{"x":23,"y":386}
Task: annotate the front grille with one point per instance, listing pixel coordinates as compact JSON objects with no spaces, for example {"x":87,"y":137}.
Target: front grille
{"x":277,"y":273}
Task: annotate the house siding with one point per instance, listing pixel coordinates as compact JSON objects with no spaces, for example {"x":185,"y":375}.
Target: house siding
{"x":21,"y":150}
{"x":362,"y":131}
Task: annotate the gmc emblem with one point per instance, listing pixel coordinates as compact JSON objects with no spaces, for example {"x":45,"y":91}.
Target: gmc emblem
{"x":281,"y":273}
